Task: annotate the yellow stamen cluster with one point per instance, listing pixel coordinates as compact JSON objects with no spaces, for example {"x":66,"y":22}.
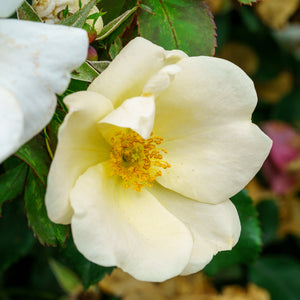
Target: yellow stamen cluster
{"x":136,"y":160}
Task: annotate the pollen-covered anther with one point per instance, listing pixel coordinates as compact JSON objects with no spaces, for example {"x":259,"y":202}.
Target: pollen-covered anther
{"x":136,"y":160}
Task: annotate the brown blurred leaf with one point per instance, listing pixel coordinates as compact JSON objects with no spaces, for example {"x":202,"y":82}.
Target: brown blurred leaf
{"x":241,"y":55}
{"x":193,"y":287}
{"x":276,"y":13}
{"x":217,"y":6}
{"x":273,"y":90}
{"x":289,"y":209}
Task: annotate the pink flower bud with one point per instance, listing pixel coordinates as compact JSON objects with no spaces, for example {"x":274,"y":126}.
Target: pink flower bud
{"x":285,"y":151}
{"x":92,"y":54}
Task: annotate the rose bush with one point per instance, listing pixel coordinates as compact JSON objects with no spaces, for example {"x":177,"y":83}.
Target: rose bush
{"x":148,"y":157}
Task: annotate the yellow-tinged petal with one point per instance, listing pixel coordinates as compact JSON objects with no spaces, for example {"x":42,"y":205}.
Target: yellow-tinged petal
{"x":128,"y":73}
{"x":215,"y":227}
{"x":213,"y":148}
{"x":80,"y":146}
{"x":207,"y":92}
{"x":215,"y":164}
{"x":136,"y":113}
{"x":115,"y":226}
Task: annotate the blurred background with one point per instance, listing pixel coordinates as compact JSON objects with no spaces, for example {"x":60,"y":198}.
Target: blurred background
{"x":264,"y":40}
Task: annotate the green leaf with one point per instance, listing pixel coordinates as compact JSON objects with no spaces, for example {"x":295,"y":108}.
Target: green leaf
{"x":79,"y":18}
{"x":16,"y":239}
{"x":247,"y":2}
{"x":248,"y":246}
{"x":26,"y":12}
{"x":288,"y":109}
{"x":100,"y":66}
{"x":113,"y":9}
{"x":86,"y":72}
{"x":12,"y":183}
{"x":114,"y":24}
{"x":115,"y":48}
{"x":268,"y":218}
{"x":46,"y":231}
{"x":68,"y":281}
{"x":34,"y":154}
{"x":51,"y":133}
{"x":183,"y":24}
{"x":88,"y":272}
{"x":280,"y":275}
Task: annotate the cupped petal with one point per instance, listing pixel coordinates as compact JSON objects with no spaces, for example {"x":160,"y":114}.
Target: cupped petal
{"x":128,"y":73}
{"x":80,"y":146}
{"x":214,"y":227}
{"x":207,"y":92}
{"x":36,"y":60}
{"x":112,"y":225}
{"x":213,"y":148}
{"x":215,"y":164}
{"x":135,"y":113}
{"x":7,"y":8}
{"x":11,"y":123}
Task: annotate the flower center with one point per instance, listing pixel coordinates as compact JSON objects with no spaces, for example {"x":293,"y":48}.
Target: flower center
{"x":136,"y":160}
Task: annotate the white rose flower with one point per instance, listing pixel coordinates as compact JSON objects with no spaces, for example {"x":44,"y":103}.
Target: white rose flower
{"x":148,"y":157}
{"x":35,"y":63}
{"x":49,"y":11}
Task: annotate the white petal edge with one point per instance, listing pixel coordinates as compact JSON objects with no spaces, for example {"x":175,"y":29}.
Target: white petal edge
{"x":129,"y":229}
{"x":215,"y":164}
{"x":128,"y":73}
{"x":135,"y":113}
{"x":46,"y":55}
{"x":8,"y":7}
{"x":80,"y":146}
{"x":11,"y":123}
{"x":207,"y":92}
{"x":215,"y":227}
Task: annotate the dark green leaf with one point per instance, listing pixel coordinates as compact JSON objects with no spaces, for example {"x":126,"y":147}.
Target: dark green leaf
{"x":79,"y":18}
{"x":268,"y":218}
{"x":248,"y":246}
{"x":26,"y":12}
{"x":280,"y":275}
{"x":288,"y":109}
{"x":88,"y":272}
{"x":113,"y":9}
{"x":114,"y":24}
{"x":66,"y":11}
{"x":12,"y":183}
{"x":34,"y":154}
{"x":16,"y":239}
{"x":115,"y":48}
{"x":46,"y":231}
{"x":52,"y":131}
{"x":68,"y":281}
{"x":85,"y":73}
{"x":183,"y":24}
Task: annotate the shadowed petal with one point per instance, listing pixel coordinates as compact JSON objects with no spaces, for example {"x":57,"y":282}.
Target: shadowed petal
{"x":80,"y":146}
{"x":112,"y":225}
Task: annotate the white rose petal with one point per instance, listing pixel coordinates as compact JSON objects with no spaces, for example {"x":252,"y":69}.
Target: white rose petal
{"x":8,"y":7}
{"x":156,"y":203}
{"x":35,"y":63}
{"x":125,"y":227}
